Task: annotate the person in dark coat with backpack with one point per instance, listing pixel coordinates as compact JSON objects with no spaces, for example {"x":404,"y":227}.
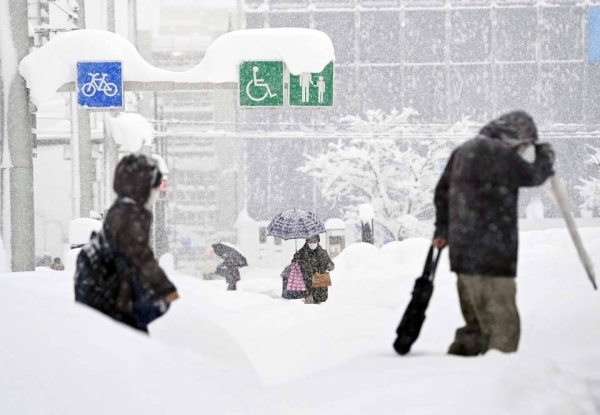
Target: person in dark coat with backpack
{"x":476,"y":204}
{"x":119,"y":260}
{"x":312,"y":258}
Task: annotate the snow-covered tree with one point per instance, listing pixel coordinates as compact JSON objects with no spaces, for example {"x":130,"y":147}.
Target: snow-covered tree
{"x":589,"y":190}
{"x":396,"y":176}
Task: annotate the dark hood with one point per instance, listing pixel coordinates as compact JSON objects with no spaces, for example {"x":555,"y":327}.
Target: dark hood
{"x":517,"y":125}
{"x":134,"y":177}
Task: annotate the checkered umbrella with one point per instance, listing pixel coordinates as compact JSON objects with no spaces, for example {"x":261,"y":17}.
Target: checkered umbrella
{"x":295,"y":224}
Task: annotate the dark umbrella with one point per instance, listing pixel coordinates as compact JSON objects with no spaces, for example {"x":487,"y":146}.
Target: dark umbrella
{"x":414,"y":316}
{"x":227,"y":250}
{"x":295,"y":224}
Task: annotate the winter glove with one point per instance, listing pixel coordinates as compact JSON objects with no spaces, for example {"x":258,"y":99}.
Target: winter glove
{"x":545,"y":149}
{"x":162,"y":305}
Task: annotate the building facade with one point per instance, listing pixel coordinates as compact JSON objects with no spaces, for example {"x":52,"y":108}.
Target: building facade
{"x":452,"y":59}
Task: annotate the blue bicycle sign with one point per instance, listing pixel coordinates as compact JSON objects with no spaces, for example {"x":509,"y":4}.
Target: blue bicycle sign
{"x":100,"y":84}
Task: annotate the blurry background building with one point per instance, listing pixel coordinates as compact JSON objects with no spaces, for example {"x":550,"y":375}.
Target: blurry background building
{"x":451,"y":64}
{"x":451,"y":61}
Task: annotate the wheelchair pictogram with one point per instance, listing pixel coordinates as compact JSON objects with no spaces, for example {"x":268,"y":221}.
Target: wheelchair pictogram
{"x":99,"y":84}
{"x":258,"y":83}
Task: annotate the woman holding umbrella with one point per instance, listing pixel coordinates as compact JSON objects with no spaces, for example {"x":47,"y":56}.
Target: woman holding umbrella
{"x":314,"y":261}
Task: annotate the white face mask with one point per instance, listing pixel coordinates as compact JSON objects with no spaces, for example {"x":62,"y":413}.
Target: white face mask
{"x":313,"y":246}
{"x":154,"y":192}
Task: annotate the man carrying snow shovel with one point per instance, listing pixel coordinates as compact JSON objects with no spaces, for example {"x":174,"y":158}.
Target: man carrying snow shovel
{"x":476,"y":216}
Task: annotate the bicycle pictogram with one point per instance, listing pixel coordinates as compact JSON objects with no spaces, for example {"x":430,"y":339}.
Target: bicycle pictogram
{"x":99,"y":84}
{"x":258,"y":83}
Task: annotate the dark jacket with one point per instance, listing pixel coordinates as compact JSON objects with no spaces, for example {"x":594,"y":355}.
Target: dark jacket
{"x":476,"y":198}
{"x":127,"y":224}
{"x":230,"y":271}
{"x":313,"y":261}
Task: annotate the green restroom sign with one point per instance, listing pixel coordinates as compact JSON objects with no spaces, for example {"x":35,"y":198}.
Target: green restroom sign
{"x":261,"y":84}
{"x":312,"y":89}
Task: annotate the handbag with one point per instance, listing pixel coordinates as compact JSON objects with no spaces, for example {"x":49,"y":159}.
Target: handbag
{"x":321,"y":280}
{"x":295,"y":280}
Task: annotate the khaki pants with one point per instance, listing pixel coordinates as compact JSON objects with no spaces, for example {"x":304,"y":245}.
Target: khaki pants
{"x":489,"y":307}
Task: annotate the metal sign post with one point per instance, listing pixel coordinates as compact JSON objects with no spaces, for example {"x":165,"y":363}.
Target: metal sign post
{"x":99,"y":86}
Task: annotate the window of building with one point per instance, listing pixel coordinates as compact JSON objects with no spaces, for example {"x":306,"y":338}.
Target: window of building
{"x":593,"y":92}
{"x":562,"y":98}
{"x":516,"y":87}
{"x":255,"y":20}
{"x":561,"y":33}
{"x":288,"y":4}
{"x":425,"y":32}
{"x":324,"y":4}
{"x":278,"y":241}
{"x":289,"y":20}
{"x":471,"y":92}
{"x":471,"y":35}
{"x":516,"y":34}
{"x":380,"y":88}
{"x":340,"y":26}
{"x":425,"y":3}
{"x":425,"y":92}
{"x":379,"y":37}
{"x":346,"y":101}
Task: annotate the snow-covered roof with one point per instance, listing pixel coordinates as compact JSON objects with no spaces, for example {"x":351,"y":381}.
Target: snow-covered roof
{"x":335,"y":224}
{"x":55,"y":63}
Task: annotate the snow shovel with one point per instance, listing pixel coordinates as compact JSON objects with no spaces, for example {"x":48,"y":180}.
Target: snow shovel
{"x":559,"y":191}
{"x":414,"y":316}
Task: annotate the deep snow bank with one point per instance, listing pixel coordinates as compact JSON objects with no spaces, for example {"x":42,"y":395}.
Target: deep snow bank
{"x":60,"y":358}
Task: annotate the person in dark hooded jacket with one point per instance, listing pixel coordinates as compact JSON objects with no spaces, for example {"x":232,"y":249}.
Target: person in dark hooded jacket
{"x":476,"y":204}
{"x":127,"y":230}
{"x":312,"y":258}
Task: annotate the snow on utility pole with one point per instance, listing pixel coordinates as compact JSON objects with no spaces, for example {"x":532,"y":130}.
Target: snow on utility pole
{"x":111,"y":150}
{"x":133,"y":26}
{"x":81,"y":148}
{"x":367,"y":215}
{"x":17,"y":158}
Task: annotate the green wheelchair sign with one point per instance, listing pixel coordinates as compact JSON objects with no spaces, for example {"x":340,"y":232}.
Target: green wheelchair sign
{"x":261,"y":84}
{"x":312,"y":89}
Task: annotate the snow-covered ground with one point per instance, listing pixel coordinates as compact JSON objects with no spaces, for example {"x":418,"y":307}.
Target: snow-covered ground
{"x":250,"y":351}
